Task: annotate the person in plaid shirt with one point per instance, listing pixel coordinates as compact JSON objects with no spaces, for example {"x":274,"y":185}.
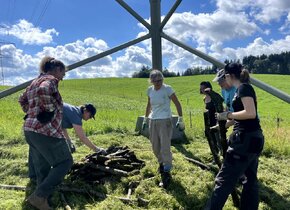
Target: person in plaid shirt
{"x":43,"y":106}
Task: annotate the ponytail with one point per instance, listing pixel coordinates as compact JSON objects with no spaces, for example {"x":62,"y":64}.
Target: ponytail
{"x":48,"y":64}
{"x":245,"y":76}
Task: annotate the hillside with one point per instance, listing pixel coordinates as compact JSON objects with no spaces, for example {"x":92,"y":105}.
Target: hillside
{"x":119,"y":102}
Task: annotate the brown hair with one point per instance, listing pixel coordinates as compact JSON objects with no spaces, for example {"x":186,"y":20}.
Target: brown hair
{"x":245,"y":76}
{"x":238,"y":71}
{"x":48,"y":64}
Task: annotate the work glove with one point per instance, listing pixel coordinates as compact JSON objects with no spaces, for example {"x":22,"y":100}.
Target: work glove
{"x":144,"y":124}
{"x":222,"y":116}
{"x":71,"y":146}
{"x":180,"y":124}
{"x":215,"y":128}
{"x":101,"y":151}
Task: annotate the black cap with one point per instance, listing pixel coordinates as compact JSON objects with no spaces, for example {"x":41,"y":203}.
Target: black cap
{"x":220,"y":76}
{"x":91,"y":108}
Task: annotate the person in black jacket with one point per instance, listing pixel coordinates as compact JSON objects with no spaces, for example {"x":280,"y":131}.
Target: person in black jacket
{"x":246,"y":143}
{"x":205,"y":86}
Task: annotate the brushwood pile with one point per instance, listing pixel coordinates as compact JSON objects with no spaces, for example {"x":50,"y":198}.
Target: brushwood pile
{"x":116,"y":161}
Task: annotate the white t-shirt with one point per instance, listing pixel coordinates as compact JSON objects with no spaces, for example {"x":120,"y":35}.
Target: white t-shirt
{"x":160,"y":102}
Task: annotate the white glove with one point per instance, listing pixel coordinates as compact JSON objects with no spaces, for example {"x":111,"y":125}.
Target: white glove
{"x":180,"y":124}
{"x":215,"y":127}
{"x":222,"y":116}
{"x":144,"y":124}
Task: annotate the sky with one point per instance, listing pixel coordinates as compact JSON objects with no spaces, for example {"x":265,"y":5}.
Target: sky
{"x":77,"y":29}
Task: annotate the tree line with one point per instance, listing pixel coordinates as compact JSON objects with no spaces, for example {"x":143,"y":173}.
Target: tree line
{"x":268,"y":64}
{"x":261,"y":64}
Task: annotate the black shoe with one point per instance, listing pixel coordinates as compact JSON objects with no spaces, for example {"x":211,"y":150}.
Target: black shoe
{"x":161,"y":168}
{"x":165,"y":180}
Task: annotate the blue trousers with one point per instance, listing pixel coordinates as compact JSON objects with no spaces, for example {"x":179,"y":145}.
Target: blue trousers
{"x":51,"y":159}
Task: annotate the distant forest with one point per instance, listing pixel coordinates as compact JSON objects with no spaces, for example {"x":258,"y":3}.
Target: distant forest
{"x":263,"y":64}
{"x":271,"y":64}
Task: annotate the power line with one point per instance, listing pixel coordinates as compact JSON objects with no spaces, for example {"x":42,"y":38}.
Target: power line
{"x":34,"y":11}
{"x":3,"y":57}
{"x":38,"y":20}
{"x":12,"y":11}
{"x":46,"y":4}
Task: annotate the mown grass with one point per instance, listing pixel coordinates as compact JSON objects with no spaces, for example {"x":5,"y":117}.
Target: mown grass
{"x":119,"y":102}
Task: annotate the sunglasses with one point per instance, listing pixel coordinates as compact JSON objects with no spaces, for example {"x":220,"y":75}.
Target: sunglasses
{"x":156,"y":81}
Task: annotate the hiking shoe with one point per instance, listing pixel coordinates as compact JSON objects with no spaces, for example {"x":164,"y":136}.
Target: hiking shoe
{"x":165,"y":180}
{"x":38,"y":202}
{"x":161,"y":168}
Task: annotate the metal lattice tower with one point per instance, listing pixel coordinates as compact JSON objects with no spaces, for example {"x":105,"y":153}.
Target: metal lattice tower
{"x":156,"y":34}
{"x":2,"y":57}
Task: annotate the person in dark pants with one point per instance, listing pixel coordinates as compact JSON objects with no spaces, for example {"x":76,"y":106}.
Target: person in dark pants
{"x":50,"y":154}
{"x":246,"y":144}
{"x":72,"y":118}
{"x":210,"y":107}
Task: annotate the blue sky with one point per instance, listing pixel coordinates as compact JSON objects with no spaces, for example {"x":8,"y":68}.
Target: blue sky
{"x":74,"y":30}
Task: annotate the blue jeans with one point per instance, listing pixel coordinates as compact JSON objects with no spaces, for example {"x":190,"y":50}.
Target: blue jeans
{"x":51,"y":159}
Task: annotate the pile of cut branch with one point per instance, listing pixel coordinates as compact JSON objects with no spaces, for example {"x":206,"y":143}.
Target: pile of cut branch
{"x":117,"y":161}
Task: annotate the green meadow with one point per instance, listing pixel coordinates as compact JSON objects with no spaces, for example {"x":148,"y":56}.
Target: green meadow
{"x":119,"y":102}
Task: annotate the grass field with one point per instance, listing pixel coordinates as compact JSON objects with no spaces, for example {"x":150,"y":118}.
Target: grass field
{"x":119,"y":102}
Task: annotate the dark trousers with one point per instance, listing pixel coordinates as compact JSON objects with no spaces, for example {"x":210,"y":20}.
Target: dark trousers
{"x":51,"y":160}
{"x":241,"y":158}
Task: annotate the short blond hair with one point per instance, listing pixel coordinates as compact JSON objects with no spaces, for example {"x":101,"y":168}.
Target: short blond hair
{"x":155,"y":74}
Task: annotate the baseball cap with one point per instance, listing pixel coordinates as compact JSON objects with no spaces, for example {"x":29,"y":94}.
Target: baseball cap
{"x":220,"y":76}
{"x":92,"y":109}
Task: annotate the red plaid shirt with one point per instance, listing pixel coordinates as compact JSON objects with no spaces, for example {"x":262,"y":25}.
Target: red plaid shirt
{"x":43,"y":95}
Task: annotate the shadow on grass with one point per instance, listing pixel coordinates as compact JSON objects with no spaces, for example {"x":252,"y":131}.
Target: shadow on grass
{"x":73,"y":199}
{"x":187,"y":201}
{"x":180,"y":148}
{"x":268,"y":195}
{"x":273,"y":199}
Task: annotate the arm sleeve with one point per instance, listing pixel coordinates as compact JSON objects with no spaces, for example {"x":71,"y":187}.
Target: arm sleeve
{"x":148,"y":91}
{"x":23,"y":101}
{"x":169,"y":90}
{"x":246,"y":91}
{"x":46,"y":91}
{"x":75,"y":119}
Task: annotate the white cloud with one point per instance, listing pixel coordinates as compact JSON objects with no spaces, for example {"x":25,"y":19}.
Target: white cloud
{"x":205,"y":32}
{"x":208,"y":32}
{"x":19,"y":67}
{"x":264,"y":11}
{"x":212,"y":27}
{"x":272,"y":9}
{"x":257,"y":47}
{"x":29,"y":34}
{"x":233,"y":6}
